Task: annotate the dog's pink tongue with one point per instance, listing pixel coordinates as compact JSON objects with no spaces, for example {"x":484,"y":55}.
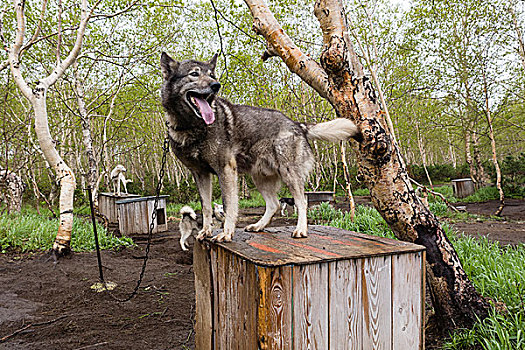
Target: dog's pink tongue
{"x":206,"y":111}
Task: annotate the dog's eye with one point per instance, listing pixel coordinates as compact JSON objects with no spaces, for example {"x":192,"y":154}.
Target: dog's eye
{"x":194,"y":74}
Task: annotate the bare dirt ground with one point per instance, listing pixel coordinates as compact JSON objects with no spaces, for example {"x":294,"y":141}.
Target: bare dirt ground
{"x":49,"y":305}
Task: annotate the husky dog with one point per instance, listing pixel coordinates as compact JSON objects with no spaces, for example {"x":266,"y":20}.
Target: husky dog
{"x":285,"y":201}
{"x":218,"y":212}
{"x":210,"y":135}
{"x":189,"y":225}
{"x":117,"y":177}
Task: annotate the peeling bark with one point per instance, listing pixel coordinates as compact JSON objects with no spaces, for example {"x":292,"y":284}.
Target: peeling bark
{"x":341,"y":80}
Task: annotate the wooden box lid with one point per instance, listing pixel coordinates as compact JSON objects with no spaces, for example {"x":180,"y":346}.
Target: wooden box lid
{"x":275,"y":246}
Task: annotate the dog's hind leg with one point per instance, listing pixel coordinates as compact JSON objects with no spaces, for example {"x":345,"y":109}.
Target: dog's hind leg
{"x":296,"y":186}
{"x":230,"y":199}
{"x":268,"y":186}
{"x":203,"y":181}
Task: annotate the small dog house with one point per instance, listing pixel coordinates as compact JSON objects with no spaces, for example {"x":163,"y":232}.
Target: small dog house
{"x":463,"y":187}
{"x":335,"y":289}
{"x":319,"y":196}
{"x":134,"y":215}
{"x":107,"y":204}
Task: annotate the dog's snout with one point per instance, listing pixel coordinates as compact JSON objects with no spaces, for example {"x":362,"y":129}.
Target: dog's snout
{"x":215,"y":86}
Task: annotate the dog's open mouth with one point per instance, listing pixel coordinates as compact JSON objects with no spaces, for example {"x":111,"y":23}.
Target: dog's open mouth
{"x":201,"y":105}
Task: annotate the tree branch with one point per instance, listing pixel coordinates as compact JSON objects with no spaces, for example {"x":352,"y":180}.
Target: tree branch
{"x":305,"y":67}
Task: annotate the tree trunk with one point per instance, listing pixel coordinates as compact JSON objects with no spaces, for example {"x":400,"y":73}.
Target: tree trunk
{"x":468,"y":158}
{"x":92,"y":172}
{"x":341,"y":80}
{"x":478,"y":164}
{"x":493,"y":148}
{"x":37,"y":97}
{"x":63,"y":173}
{"x":11,"y":191}
{"x":423,"y":154}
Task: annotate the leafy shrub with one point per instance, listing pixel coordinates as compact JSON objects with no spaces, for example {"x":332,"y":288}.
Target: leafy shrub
{"x":513,"y":173}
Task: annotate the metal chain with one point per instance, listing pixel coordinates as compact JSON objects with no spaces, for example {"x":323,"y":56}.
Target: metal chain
{"x":165,"y":149}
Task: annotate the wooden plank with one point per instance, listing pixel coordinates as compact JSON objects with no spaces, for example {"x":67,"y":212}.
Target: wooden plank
{"x":144,"y":222}
{"x":406,"y":301}
{"x":203,"y":297}
{"x":345,"y":303}
{"x":274,"y":316}
{"x":377,"y":306}
{"x":310,"y":307}
{"x":223,"y":331}
{"x":241,"y":296}
{"x":423,"y":296}
{"x":215,"y":287}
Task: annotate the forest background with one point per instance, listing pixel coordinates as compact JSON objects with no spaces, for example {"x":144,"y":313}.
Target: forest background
{"x":446,"y":69}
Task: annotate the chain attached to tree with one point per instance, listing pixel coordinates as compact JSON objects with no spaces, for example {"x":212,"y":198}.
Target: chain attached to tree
{"x":165,"y":149}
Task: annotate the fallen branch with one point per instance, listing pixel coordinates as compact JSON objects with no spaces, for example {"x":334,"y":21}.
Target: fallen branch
{"x":18,"y":331}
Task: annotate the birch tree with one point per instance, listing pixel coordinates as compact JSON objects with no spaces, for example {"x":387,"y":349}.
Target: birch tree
{"x":340,"y":78}
{"x":37,"y":97}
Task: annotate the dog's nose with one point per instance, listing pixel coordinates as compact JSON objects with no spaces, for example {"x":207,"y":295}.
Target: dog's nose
{"x":215,"y":86}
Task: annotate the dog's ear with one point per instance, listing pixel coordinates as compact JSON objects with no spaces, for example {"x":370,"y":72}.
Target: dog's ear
{"x":213,"y":61}
{"x":167,"y":65}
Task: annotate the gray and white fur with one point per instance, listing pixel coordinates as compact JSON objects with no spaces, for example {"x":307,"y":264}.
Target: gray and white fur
{"x":187,"y":226}
{"x":211,"y":135}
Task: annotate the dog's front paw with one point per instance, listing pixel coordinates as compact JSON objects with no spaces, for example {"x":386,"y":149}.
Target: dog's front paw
{"x":254,"y":228}
{"x":205,"y":232}
{"x":300,"y":233}
{"x":224,"y":236}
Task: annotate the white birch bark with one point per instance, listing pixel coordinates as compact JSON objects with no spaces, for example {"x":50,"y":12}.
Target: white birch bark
{"x":37,"y":98}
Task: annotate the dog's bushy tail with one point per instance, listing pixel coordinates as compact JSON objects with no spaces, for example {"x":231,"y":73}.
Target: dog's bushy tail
{"x":186,"y":210}
{"x":340,"y":129}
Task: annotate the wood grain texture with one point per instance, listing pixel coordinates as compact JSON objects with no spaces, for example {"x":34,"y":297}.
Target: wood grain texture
{"x":134,"y":215}
{"x":366,"y":302}
{"x":406,"y":301}
{"x":377,"y":306}
{"x":310,"y":307}
{"x":275,"y":308}
{"x":203,"y":297}
{"x":345,"y":305}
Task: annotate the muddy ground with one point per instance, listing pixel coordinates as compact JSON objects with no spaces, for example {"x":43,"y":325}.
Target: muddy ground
{"x":49,"y":305}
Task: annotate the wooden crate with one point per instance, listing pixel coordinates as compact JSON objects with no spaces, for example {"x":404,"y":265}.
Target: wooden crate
{"x":335,"y":289}
{"x":134,"y":215}
{"x":463,"y":187}
{"x":107,"y":204}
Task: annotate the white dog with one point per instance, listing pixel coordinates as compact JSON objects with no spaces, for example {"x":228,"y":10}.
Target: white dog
{"x":117,"y":177}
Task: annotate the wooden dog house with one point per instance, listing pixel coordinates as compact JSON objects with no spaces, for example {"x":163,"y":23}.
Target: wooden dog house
{"x":134,"y":215}
{"x":107,"y":204}
{"x":335,"y":289}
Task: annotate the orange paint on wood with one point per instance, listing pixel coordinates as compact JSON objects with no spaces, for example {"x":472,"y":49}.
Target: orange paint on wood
{"x":265,"y":248}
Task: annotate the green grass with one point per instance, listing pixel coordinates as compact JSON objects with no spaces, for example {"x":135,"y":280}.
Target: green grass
{"x":482,"y":195}
{"x":497,"y":272}
{"x":255,"y":200}
{"x":361,"y":192}
{"x":173,"y":209}
{"x":29,"y":231}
